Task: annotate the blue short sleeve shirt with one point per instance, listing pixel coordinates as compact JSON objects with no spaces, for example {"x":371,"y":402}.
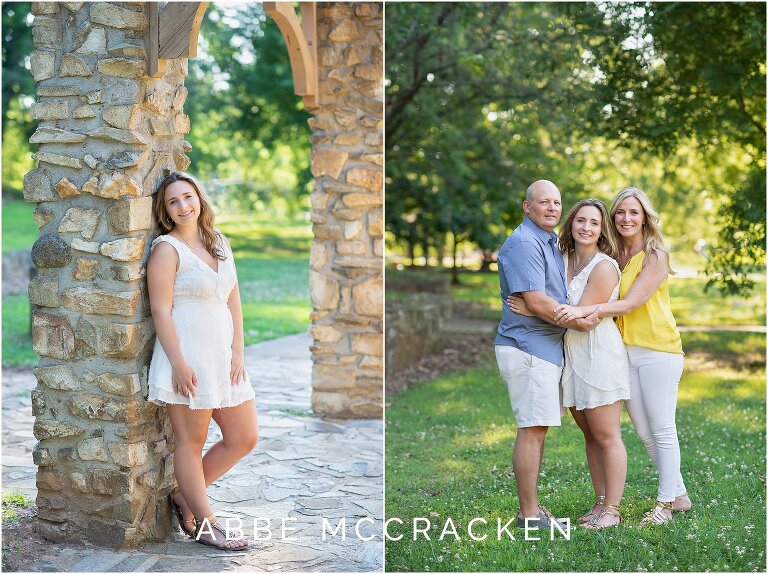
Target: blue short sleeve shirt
{"x":528,"y":262}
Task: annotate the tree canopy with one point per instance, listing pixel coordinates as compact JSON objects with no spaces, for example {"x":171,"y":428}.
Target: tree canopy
{"x":483,"y":98}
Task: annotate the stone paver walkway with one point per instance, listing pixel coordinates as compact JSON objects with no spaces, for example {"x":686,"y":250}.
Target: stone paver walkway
{"x":304,"y":469}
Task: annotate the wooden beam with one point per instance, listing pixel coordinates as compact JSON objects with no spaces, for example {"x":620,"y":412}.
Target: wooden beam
{"x":301,"y":41}
{"x":156,"y":67}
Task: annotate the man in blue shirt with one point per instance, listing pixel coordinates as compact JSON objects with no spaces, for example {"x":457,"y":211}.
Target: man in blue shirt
{"x":529,"y":350}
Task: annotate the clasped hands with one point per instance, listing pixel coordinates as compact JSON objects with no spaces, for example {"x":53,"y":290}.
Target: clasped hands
{"x":563,"y":312}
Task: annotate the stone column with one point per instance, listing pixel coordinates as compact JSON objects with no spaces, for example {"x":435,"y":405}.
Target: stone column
{"x":107,"y":135}
{"x":346,"y":279}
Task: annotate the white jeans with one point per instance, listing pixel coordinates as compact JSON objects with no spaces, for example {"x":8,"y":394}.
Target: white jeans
{"x":654,"y":377}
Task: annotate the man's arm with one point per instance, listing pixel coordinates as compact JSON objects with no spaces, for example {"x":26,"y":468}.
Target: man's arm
{"x":543,"y":306}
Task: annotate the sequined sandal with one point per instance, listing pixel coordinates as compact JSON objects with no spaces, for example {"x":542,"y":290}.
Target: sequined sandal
{"x":599,"y":500}
{"x":609,"y":510}
{"x":657,"y":515}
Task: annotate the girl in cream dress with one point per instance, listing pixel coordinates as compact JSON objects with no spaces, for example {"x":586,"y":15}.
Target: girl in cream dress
{"x":596,"y":374}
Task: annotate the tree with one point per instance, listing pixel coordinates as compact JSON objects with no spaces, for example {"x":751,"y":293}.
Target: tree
{"x":249,"y":127}
{"x":17,"y":46}
{"x":680,"y":72}
{"x":478,"y":94}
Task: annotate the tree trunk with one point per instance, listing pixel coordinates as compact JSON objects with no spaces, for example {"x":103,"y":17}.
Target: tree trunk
{"x":455,"y":268}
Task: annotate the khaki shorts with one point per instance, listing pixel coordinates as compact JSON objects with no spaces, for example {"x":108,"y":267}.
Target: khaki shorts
{"x":533,"y":385}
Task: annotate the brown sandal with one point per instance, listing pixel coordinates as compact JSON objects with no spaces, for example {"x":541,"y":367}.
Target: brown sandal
{"x":213,"y":522}
{"x":180,"y":514}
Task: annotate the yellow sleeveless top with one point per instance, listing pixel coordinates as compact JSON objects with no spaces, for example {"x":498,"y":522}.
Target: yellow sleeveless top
{"x":651,"y":326}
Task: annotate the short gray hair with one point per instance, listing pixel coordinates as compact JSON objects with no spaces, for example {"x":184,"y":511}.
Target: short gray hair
{"x":529,"y":193}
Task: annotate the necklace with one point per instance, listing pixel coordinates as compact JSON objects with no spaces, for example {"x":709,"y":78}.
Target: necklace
{"x":188,"y":245}
{"x":581,"y":268}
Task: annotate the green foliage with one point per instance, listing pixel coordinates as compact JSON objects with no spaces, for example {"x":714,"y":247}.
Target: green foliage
{"x":448,"y":454}
{"x":249,"y":130}
{"x":742,"y":239}
{"x":685,"y":71}
{"x":17,"y":340}
{"x":17,"y":46}
{"x":484,"y":98}
{"x":11,"y":502}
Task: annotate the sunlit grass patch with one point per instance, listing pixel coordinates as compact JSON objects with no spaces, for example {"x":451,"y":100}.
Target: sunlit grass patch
{"x":448,"y":454}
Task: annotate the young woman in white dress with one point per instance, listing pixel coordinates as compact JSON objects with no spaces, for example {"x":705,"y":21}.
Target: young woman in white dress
{"x":596,"y":374}
{"x":197,"y":368}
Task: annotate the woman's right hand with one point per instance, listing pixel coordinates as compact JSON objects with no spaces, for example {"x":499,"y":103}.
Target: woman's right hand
{"x":564,"y":313}
{"x":184,"y":380}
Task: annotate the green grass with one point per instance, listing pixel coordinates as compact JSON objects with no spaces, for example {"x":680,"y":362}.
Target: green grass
{"x":19,"y":228}
{"x":17,"y":342}
{"x":273,"y":271}
{"x":11,"y":503}
{"x":272,"y":257}
{"x":448,"y":454}
{"x":690,"y":305}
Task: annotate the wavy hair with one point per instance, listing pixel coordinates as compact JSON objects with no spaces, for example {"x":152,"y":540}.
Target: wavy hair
{"x":212,"y":239}
{"x":653,"y":240}
{"x":608,"y":242}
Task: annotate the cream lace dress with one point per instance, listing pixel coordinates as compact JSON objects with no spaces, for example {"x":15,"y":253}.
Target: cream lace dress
{"x":204,"y":330}
{"x":596,"y":369}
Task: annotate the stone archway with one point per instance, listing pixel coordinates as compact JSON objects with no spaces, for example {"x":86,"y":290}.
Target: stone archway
{"x":109,"y":131}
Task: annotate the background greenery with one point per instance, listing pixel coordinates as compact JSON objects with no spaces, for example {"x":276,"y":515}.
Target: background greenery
{"x":250,"y":147}
{"x":484,"y":98}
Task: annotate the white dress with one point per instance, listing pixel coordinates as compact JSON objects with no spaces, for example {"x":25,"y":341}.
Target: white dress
{"x":204,"y":330}
{"x":596,"y":369}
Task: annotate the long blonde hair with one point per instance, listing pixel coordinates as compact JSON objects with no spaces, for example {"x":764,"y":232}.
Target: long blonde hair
{"x":607,"y":243}
{"x":211,"y":238}
{"x":653,"y":240}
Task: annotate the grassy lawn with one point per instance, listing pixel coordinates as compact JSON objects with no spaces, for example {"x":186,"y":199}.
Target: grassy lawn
{"x":19,"y":228}
{"x":272,"y":257}
{"x":448,"y":454}
{"x":689,"y":303}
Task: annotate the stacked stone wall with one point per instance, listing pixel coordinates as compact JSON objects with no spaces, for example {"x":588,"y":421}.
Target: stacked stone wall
{"x":346,"y":278}
{"x":107,"y":134}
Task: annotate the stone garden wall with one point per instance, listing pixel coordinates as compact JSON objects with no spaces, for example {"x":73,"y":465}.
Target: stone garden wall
{"x":107,"y":134}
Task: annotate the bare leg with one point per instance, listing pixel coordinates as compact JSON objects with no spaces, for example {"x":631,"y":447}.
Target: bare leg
{"x":526,"y":462}
{"x":239,"y":436}
{"x":594,"y":453}
{"x":604,"y":425}
{"x":190,"y":429}
{"x":594,"y":461}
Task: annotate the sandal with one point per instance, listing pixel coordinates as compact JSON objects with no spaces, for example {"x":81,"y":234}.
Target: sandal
{"x":180,"y":514}
{"x":657,"y":515}
{"x":213,"y":523}
{"x":684,"y":508}
{"x":609,"y":510}
{"x":599,"y":500}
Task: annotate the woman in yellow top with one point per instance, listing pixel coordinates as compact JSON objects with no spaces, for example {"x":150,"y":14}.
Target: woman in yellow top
{"x":652,"y":340}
